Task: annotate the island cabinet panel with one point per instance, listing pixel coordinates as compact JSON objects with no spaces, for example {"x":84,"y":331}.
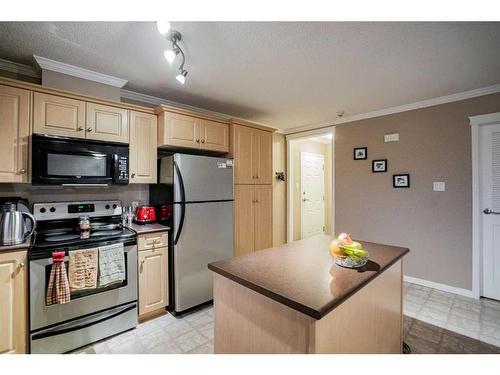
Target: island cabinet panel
{"x":214,"y":136}
{"x":106,"y":123}
{"x":57,"y":115}
{"x":244,"y":219}
{"x":13,"y":306}
{"x":15,"y":131}
{"x":178,"y":130}
{"x":143,"y":152}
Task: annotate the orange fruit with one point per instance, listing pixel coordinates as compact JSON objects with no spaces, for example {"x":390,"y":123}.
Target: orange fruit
{"x":335,"y":249}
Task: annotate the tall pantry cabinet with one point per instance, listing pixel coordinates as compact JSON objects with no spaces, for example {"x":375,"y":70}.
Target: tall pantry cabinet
{"x":251,"y":148}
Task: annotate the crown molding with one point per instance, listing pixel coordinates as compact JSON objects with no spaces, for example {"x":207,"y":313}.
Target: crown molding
{"x":401,"y":108}
{"x":22,"y":69}
{"x":76,"y":71}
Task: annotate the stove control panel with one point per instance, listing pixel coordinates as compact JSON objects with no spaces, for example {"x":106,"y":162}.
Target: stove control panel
{"x":72,"y":210}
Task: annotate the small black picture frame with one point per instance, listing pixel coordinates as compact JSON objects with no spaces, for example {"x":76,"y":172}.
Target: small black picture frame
{"x":401,"y":180}
{"x":379,"y":166}
{"x":360,"y":153}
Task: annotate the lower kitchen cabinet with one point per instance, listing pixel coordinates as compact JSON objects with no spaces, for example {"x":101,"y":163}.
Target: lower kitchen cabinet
{"x":153,"y":280}
{"x":253,"y":218}
{"x":13,"y":302}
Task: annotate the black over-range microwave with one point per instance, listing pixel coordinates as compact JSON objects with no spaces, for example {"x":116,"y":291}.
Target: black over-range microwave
{"x":72,"y":162}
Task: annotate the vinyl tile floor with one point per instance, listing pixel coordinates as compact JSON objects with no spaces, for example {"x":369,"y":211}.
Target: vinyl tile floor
{"x":435,"y":322}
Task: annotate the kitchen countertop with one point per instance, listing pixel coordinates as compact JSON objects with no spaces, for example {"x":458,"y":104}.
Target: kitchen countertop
{"x":303,"y":275}
{"x":23,"y":245}
{"x":148,"y":228}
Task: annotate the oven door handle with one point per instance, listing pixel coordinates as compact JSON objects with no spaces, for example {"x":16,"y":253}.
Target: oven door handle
{"x":83,"y":323}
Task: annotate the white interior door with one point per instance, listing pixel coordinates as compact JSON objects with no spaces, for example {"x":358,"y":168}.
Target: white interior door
{"x":312,"y":182}
{"x":490,"y":200}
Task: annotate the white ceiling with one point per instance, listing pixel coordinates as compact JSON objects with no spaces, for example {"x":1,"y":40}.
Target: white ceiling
{"x":285,"y":74}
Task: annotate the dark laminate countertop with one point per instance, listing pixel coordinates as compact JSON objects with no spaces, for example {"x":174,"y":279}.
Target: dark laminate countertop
{"x":148,"y":228}
{"x":303,"y":274}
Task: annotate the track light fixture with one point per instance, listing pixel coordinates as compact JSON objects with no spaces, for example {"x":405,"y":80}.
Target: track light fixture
{"x":170,"y":54}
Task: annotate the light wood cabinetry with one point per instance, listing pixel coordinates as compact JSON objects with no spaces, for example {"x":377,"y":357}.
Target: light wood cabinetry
{"x":143,"y":155}
{"x":15,"y":132}
{"x":252,"y":152}
{"x":106,"y":123}
{"x":57,"y":115}
{"x":153,"y":273}
{"x":191,"y":131}
{"x":13,"y":297}
{"x":253,"y":218}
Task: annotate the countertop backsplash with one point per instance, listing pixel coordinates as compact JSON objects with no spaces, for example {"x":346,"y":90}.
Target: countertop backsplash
{"x":126,"y":194}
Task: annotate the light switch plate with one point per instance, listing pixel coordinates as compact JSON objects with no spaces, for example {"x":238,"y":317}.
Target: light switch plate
{"x":439,"y":186}
{"x":391,"y":137}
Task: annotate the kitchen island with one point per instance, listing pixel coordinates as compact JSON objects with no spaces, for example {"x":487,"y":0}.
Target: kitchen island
{"x":294,"y":299}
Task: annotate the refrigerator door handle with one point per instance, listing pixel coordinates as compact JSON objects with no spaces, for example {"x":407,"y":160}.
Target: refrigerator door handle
{"x":182,"y":203}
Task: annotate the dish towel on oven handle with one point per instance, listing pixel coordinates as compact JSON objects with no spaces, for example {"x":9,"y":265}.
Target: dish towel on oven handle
{"x":82,"y":271}
{"x":58,"y":289}
{"x":111,"y":264}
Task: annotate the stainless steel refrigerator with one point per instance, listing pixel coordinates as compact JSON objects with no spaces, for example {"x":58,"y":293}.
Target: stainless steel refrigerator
{"x":199,"y":191}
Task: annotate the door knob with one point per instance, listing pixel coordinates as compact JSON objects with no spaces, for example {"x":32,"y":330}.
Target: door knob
{"x":89,"y":129}
{"x":487,"y":211}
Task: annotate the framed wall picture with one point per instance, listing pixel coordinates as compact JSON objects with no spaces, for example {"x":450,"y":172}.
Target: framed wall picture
{"x":360,"y":153}
{"x":379,"y":165}
{"x":401,"y":180}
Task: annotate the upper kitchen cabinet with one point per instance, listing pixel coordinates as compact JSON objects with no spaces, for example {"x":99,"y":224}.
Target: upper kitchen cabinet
{"x":252,"y":152}
{"x":57,"y":115}
{"x":106,"y":123}
{"x":214,"y":136}
{"x":143,"y":134}
{"x":193,"y":131}
{"x":15,"y":130}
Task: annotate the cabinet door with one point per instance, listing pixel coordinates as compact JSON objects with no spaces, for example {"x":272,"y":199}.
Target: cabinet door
{"x":179,"y":131}
{"x":153,"y":280}
{"x":243,"y":155}
{"x":262,"y":157}
{"x":56,"y":115}
{"x":263,"y":216}
{"x":105,"y":123}
{"x":214,"y":136}
{"x":143,"y":143}
{"x":13,"y":313}
{"x":15,"y":130}
{"x":244,"y":207}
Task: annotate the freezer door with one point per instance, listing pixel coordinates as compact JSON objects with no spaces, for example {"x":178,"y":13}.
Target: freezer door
{"x":206,"y":236}
{"x":204,"y":178}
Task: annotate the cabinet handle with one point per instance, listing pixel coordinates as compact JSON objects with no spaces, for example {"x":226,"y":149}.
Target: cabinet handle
{"x":21,"y":265}
{"x":197,"y":141}
{"x":133,"y":175}
{"x":22,"y":171}
{"x":89,"y":129}
{"x":80,"y":128}
{"x":142,"y":261}
{"x":202,"y":141}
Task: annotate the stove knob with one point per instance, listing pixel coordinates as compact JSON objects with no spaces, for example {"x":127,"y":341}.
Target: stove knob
{"x":52,"y":209}
{"x":114,"y":206}
{"x":42,"y":210}
{"x":106,"y":207}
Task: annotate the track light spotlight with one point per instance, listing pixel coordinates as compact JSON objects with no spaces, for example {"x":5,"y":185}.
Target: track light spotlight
{"x":181,"y":77}
{"x":163,"y":27}
{"x":170,"y":54}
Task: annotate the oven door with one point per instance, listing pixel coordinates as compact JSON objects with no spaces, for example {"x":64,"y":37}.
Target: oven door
{"x":57,"y":161}
{"x":83,"y":302}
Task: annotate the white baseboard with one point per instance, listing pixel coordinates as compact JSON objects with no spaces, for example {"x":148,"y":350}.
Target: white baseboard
{"x":439,"y":286}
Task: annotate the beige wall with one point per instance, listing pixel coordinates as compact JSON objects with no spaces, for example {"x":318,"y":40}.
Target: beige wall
{"x":279,"y":190}
{"x":298,"y":146}
{"x":435,"y":145}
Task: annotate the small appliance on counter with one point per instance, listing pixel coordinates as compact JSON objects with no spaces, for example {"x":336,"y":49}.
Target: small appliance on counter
{"x":145,"y":215}
{"x":13,"y":227}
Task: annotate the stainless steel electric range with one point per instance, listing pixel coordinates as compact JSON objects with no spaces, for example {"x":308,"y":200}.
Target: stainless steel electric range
{"x":92,"y":314}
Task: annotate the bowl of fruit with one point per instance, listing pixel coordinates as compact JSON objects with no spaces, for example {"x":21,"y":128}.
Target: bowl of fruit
{"x":348,"y":253}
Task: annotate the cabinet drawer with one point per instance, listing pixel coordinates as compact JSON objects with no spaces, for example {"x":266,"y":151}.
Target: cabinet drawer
{"x":152,"y":240}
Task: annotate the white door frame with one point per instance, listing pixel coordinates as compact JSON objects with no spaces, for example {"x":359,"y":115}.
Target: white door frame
{"x":476,"y":122}
{"x":290,"y":138}
{"x":301,"y":177}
